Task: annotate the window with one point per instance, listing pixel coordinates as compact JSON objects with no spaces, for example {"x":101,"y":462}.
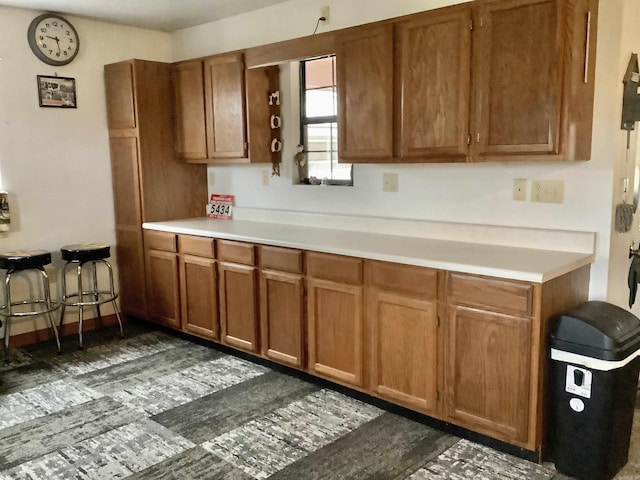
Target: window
{"x":319,"y":123}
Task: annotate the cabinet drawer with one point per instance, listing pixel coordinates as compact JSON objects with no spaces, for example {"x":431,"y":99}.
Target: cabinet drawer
{"x":419,"y":281}
{"x":494,"y":294}
{"x":160,"y":241}
{"x":282,"y":259}
{"x":335,"y":268}
{"x":199,"y":246}
{"x":236,"y":252}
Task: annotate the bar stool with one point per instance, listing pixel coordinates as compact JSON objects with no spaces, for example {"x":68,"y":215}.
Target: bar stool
{"x":88,"y":256}
{"x":23,"y":262}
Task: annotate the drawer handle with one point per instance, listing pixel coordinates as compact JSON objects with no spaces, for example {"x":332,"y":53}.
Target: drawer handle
{"x":586,"y":48}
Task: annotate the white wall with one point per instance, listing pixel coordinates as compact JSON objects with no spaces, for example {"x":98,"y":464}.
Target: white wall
{"x":464,"y":193}
{"x":55,"y":162}
{"x":620,"y":242}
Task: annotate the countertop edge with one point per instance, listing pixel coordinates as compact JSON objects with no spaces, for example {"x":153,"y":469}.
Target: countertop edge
{"x":512,"y":274}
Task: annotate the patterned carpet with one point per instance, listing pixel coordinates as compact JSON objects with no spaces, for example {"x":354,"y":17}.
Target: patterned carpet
{"x":158,"y":406}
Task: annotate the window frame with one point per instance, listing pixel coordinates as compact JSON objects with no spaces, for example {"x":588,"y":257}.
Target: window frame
{"x":305,"y":121}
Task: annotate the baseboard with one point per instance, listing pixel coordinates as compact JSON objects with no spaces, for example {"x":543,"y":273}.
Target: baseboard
{"x":43,"y":335}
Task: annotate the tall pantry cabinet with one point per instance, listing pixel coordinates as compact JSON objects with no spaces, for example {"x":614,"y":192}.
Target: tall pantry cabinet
{"x":149,"y":183}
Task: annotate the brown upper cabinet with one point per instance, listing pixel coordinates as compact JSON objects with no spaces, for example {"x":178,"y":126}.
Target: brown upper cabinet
{"x":433,"y":85}
{"x":533,"y":70}
{"x":190,"y":130}
{"x":210,"y":109}
{"x":224,"y":94}
{"x":365,"y":83}
{"x":491,"y":80}
{"x":218,"y":105}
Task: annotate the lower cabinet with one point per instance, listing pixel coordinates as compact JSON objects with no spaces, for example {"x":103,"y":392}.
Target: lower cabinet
{"x":198,"y":286}
{"x":133,"y":288}
{"x":282,"y":319}
{"x":402,"y":311}
{"x":335,"y":317}
{"x":463,"y":348}
{"x":488,"y":362}
{"x":163,"y":288}
{"x":238,"y":294}
{"x":488,"y":367}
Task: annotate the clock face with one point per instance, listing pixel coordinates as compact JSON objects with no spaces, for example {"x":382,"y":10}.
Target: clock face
{"x":53,"y":39}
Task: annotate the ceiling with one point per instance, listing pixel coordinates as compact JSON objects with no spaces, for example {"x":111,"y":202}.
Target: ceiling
{"x":165,"y":15}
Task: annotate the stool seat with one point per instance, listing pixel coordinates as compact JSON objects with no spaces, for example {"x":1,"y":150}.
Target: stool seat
{"x":85,"y":252}
{"x":87,"y":258}
{"x":24,"y":259}
{"x":26,"y":263}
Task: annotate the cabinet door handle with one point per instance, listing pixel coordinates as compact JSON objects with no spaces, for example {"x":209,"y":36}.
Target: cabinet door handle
{"x":586,"y":48}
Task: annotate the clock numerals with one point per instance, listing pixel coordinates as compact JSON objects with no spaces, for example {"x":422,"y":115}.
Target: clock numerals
{"x":53,"y":39}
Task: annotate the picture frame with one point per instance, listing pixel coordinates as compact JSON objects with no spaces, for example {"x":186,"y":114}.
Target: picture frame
{"x":57,"y":92}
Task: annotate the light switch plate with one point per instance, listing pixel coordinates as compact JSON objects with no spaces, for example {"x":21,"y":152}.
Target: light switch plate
{"x":389,"y":182}
{"x":547,"y":191}
{"x":265,"y":178}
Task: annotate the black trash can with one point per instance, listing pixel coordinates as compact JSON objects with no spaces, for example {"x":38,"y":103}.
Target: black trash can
{"x":595,"y":363}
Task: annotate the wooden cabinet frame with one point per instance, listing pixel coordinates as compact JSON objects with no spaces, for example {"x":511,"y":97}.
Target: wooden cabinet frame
{"x":352,"y":373}
{"x":199,"y":299}
{"x":163,"y":288}
{"x":488,"y":368}
{"x":239,"y":329}
{"x":409,"y":375}
{"x":481,"y":341}
{"x":293,"y":353}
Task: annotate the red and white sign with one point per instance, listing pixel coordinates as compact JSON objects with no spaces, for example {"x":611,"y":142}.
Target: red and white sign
{"x":220,"y":206}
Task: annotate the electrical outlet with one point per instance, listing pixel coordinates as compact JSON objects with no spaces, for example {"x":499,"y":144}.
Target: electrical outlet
{"x":389,"y":182}
{"x":265,"y":178}
{"x":547,"y":191}
{"x":212,"y":179}
{"x":520,"y":189}
{"x":324,"y":12}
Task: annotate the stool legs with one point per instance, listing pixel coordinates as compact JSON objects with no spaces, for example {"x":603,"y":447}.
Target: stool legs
{"x":91,"y":297}
{"x":81,"y":302}
{"x":95,"y":288}
{"x":47,"y":298}
{"x":7,"y":327}
{"x":113,"y":297}
{"x":49,"y":307}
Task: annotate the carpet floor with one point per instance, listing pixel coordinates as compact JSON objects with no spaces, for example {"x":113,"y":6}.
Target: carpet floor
{"x":154,"y":405}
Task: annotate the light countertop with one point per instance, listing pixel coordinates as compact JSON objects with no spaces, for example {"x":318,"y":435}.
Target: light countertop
{"x":517,"y":263}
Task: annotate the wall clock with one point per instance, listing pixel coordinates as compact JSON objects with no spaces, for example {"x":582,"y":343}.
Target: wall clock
{"x":53,"y":39}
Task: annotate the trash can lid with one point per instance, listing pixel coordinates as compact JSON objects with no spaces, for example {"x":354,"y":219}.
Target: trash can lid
{"x":597,"y":329}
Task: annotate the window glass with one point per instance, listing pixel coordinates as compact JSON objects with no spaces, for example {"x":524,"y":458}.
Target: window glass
{"x":319,"y":123}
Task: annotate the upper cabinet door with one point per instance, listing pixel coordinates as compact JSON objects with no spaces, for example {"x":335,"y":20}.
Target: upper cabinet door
{"x":365,"y":94}
{"x":225,"y":107}
{"x":433,"y":60}
{"x":190,"y":131}
{"x":518,"y":62}
{"x":120,"y":97}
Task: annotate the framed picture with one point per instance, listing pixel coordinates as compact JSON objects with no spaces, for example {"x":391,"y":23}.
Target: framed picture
{"x":57,"y":92}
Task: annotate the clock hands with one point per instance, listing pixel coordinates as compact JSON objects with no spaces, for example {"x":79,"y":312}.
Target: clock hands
{"x":57,"y":41}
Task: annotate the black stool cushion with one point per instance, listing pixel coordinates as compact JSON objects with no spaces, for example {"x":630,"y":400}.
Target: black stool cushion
{"x":24,"y":259}
{"x":85,"y":252}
